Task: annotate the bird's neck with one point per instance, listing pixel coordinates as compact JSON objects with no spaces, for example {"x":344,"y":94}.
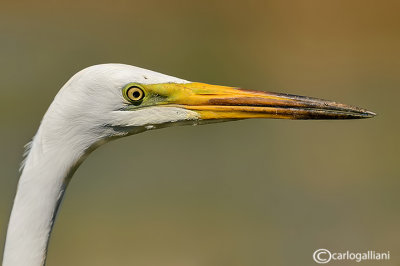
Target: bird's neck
{"x":45,"y":176}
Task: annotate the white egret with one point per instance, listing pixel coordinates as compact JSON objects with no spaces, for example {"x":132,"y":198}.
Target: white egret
{"x":109,"y":101}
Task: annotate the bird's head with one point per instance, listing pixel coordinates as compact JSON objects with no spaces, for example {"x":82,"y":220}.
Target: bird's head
{"x":114,"y":100}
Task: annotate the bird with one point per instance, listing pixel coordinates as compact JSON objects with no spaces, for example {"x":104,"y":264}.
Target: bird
{"x":109,"y":101}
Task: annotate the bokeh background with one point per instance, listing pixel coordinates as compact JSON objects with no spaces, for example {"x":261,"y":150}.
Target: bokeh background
{"x":255,"y":192}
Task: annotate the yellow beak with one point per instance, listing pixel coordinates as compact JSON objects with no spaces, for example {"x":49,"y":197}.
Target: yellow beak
{"x":220,"y":102}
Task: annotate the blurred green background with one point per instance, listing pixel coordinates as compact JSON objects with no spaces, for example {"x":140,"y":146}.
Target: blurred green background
{"x":255,"y":192}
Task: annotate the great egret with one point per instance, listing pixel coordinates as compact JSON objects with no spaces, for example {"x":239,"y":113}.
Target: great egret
{"x":109,"y":101}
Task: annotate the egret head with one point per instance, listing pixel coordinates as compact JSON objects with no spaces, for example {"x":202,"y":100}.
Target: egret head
{"x":109,"y":101}
{"x":114,"y":100}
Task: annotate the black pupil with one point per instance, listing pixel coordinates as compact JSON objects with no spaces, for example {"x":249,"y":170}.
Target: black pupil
{"x":136,"y":94}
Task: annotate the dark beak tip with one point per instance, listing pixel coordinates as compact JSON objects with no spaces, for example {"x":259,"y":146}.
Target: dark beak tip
{"x":369,"y":114}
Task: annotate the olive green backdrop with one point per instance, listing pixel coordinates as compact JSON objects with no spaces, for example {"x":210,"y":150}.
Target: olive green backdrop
{"x":259,"y":192}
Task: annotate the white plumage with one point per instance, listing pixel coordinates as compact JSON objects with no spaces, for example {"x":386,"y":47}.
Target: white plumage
{"x":80,"y":118}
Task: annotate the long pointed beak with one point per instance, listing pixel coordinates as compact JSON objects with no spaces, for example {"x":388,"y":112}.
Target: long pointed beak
{"x":220,"y":102}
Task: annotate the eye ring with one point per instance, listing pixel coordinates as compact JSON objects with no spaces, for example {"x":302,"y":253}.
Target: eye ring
{"x":134,"y":94}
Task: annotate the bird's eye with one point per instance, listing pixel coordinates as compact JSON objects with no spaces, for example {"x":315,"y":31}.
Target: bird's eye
{"x":134,"y":93}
